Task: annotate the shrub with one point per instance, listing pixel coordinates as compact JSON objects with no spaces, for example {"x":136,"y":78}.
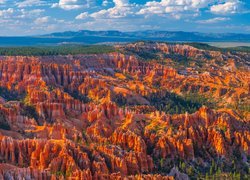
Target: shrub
{"x":3,"y":122}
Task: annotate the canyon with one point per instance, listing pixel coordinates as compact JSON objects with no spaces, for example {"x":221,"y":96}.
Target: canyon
{"x":145,"y":111}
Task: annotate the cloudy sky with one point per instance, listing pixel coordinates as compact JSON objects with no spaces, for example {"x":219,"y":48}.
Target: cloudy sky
{"x":31,"y":17}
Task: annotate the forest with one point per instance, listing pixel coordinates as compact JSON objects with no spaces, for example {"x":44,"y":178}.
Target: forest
{"x":55,"y":50}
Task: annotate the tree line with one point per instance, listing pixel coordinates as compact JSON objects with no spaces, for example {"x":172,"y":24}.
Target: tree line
{"x":55,"y":50}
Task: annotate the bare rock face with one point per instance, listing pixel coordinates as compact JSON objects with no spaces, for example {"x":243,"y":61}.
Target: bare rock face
{"x":91,"y":116}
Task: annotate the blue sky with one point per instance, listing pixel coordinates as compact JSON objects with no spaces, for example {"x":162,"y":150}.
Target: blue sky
{"x":31,"y":17}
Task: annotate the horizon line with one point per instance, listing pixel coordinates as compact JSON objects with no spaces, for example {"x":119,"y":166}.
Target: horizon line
{"x":34,"y":35}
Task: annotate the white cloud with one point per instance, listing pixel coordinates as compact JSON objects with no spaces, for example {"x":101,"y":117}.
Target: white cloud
{"x":69,"y":4}
{"x":30,"y":13}
{"x":116,"y":14}
{"x":105,"y":3}
{"x":42,"y":20}
{"x":6,"y":12}
{"x":173,"y":6}
{"x":230,"y":7}
{"x":121,"y":9}
{"x":82,"y":15}
{"x":213,"y":20}
{"x":28,"y":3}
{"x":121,"y":3}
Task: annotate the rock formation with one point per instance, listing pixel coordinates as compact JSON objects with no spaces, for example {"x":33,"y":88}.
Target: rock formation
{"x":90,"y":116}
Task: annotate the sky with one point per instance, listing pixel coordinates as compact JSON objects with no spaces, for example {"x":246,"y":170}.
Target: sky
{"x":34,"y":17}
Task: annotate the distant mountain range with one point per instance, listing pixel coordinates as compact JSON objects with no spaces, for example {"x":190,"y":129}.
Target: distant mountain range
{"x":97,"y":37}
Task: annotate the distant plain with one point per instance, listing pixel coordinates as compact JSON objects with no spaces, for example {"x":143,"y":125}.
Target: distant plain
{"x":228,"y":44}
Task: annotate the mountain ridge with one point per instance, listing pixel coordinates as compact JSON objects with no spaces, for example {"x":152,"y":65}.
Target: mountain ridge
{"x":112,"y":36}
